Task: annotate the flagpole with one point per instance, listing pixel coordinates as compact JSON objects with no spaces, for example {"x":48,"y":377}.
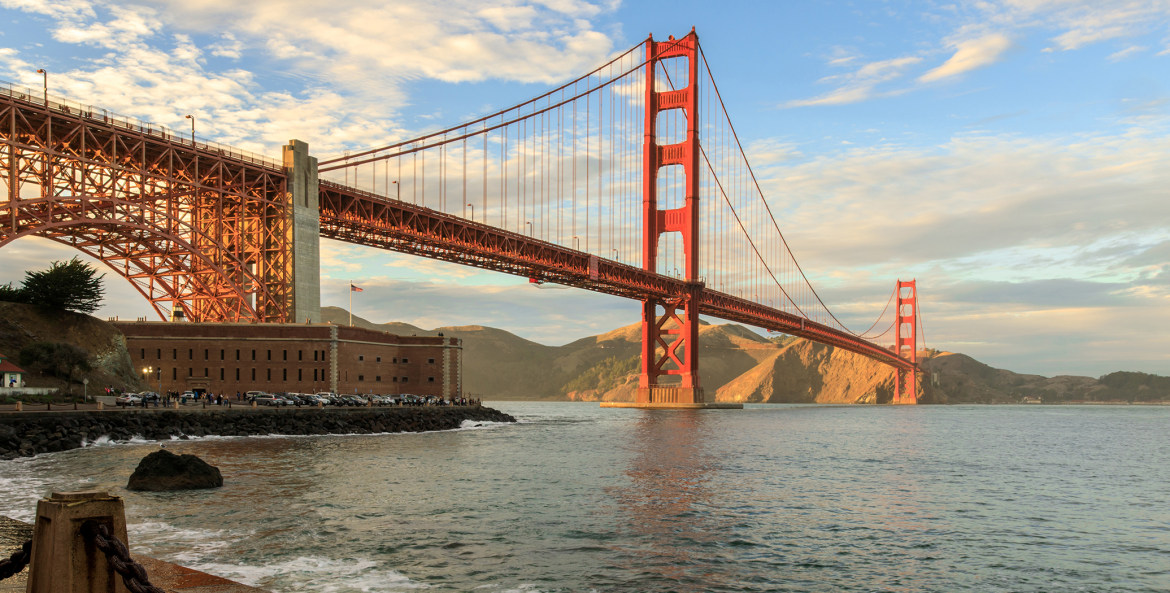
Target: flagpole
{"x":351,"y":303}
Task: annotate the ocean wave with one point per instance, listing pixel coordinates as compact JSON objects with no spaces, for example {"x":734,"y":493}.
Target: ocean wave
{"x":21,"y":486}
{"x":315,"y":574}
{"x":481,"y":424}
{"x":153,"y":537}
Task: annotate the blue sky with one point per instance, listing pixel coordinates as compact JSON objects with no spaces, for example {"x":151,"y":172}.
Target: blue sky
{"x":1009,"y":154}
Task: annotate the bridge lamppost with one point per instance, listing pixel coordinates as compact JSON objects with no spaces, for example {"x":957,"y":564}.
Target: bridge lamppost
{"x":397,"y":190}
{"x":528,"y":227}
{"x":576,"y":243}
{"x":472,"y":206}
{"x":617,"y":255}
{"x":192,"y":118}
{"x":45,"y":74}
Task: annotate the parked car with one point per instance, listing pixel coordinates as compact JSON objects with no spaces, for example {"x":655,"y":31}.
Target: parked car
{"x":128,"y":399}
{"x":268,"y":399}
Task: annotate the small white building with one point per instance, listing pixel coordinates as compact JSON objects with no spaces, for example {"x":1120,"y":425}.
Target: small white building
{"x":12,"y":375}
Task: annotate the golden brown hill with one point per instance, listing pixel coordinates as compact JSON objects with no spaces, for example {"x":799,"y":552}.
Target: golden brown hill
{"x":739,"y":365}
{"x":806,"y":372}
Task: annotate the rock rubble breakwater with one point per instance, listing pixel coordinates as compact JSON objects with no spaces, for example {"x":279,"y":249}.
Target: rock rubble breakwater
{"x":24,"y":434}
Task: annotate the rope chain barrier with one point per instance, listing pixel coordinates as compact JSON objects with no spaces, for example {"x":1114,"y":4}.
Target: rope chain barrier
{"x":17,"y":561}
{"x":118,"y":555}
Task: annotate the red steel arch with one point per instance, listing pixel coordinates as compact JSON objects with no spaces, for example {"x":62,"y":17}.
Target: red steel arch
{"x":195,"y":228}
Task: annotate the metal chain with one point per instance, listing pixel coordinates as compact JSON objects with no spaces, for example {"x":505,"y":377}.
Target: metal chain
{"x":17,"y":561}
{"x":119,"y":557}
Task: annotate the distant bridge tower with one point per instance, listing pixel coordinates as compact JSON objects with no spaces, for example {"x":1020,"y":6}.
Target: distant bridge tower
{"x":906,"y":342}
{"x":676,"y":329}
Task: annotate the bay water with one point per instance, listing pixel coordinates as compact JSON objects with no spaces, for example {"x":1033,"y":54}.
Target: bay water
{"x":580,"y":498}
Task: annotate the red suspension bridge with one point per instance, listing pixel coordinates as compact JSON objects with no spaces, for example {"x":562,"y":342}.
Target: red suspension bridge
{"x":630,"y":181}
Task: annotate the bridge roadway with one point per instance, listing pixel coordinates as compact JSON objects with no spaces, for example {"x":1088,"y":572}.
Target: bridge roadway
{"x":355,"y":216}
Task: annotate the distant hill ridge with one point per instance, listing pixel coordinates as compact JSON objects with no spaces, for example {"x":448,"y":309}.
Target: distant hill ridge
{"x":739,"y":365}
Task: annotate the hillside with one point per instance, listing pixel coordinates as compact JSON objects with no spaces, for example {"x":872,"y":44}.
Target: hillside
{"x":739,"y":365}
{"x":21,"y":325}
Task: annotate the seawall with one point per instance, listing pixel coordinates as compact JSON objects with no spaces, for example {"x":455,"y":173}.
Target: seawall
{"x":24,"y":434}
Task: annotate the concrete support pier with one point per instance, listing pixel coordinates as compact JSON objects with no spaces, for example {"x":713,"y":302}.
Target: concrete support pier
{"x":306,"y":222}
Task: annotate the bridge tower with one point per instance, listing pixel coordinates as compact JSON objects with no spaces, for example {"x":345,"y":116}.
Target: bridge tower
{"x":906,"y":342}
{"x":670,"y":338}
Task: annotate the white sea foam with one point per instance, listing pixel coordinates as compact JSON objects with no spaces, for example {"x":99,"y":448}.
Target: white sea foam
{"x":151,"y":536}
{"x":21,"y":486}
{"x":316,"y":574}
{"x":102,"y":441}
{"x":106,"y":441}
{"x":481,"y":424}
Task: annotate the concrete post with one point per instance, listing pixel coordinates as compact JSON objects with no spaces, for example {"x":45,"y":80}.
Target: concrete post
{"x":306,"y":233}
{"x":62,"y":560}
{"x":19,"y":405}
{"x":101,"y":406}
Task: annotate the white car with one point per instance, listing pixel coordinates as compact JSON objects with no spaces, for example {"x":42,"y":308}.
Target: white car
{"x":128,"y":399}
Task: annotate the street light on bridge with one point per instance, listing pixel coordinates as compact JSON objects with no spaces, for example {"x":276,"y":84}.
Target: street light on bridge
{"x":192,"y":118}
{"x":472,"y":206}
{"x":397,"y":190}
{"x":44,"y":73}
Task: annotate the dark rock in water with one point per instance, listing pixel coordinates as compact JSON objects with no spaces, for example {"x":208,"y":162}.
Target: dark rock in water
{"x":163,"y":470}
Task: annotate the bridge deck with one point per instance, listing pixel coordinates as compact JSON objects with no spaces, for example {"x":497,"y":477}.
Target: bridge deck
{"x":355,"y":216}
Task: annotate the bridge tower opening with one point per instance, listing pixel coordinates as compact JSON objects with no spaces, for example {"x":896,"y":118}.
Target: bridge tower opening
{"x":906,"y":342}
{"x":670,"y":327}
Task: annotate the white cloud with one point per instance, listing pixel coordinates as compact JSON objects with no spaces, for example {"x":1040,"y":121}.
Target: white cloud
{"x":970,"y":55}
{"x":454,"y":41}
{"x":348,"y":60}
{"x":859,"y":85}
{"x":1065,"y":237}
{"x":987,"y":34}
{"x":1081,"y":22}
{"x":1119,"y":55}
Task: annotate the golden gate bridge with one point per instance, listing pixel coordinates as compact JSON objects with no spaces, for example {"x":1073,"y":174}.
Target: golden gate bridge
{"x":630,"y":180}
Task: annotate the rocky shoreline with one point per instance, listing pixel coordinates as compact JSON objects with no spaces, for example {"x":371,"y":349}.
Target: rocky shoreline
{"x":24,"y":434}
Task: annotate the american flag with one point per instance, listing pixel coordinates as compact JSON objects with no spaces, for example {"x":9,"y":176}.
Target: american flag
{"x":355,"y":288}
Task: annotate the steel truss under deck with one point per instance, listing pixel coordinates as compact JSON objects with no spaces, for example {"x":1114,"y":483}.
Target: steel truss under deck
{"x":194,"y":229}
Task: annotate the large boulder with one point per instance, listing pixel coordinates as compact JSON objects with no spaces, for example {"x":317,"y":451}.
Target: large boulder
{"x":163,"y":470}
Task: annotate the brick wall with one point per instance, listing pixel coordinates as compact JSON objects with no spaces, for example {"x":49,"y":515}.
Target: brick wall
{"x":302,"y":358}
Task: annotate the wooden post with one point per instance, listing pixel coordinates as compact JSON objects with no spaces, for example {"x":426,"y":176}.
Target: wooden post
{"x":62,"y":560}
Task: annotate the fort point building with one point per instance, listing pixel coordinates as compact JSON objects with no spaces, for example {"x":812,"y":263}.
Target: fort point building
{"x":226,"y":358}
